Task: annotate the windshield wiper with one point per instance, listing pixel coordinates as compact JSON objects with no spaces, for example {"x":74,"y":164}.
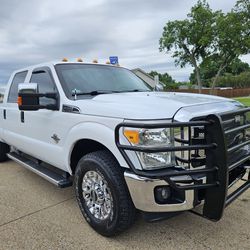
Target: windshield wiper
{"x":101,"y":92}
{"x":136,"y":90}
{"x":93,"y":93}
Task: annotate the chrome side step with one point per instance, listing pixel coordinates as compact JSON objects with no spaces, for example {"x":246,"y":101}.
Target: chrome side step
{"x":45,"y":173}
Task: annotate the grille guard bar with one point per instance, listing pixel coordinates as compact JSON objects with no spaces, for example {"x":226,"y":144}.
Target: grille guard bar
{"x":216,"y":169}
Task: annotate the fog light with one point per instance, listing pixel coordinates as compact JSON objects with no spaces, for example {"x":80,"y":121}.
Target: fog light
{"x":162,"y":194}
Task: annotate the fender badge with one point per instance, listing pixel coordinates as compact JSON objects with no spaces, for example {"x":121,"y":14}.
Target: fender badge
{"x":55,"y":138}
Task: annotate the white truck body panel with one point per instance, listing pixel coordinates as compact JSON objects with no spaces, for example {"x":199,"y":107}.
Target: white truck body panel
{"x":143,"y":105}
{"x":169,"y":145}
{"x":97,"y":119}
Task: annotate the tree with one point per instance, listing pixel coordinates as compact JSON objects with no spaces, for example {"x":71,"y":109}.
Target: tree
{"x":231,"y":38}
{"x":190,"y":39}
{"x":210,"y":65}
{"x":209,"y":37}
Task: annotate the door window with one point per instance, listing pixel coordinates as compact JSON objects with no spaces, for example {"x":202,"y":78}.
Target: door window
{"x":45,"y":85}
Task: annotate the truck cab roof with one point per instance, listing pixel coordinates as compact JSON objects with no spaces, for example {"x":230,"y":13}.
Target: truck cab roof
{"x":56,"y":62}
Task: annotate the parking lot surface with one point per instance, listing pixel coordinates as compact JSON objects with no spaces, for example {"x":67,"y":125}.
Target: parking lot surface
{"x":34,"y":214}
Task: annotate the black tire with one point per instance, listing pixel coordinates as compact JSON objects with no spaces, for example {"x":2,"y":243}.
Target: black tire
{"x":4,"y":149}
{"x":123,"y":212}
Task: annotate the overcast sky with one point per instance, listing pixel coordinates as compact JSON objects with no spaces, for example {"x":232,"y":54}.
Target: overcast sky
{"x":33,"y":32}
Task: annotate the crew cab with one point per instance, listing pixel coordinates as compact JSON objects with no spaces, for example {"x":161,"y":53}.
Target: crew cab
{"x":123,"y":146}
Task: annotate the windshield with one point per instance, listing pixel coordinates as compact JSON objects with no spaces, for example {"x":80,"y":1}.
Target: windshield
{"x":87,"y":78}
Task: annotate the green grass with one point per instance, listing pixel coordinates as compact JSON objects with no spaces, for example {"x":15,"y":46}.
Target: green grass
{"x":244,"y":100}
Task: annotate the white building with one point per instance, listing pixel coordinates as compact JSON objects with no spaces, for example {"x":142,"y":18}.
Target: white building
{"x":146,"y":77}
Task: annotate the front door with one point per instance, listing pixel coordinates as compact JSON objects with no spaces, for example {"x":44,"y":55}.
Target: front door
{"x":41,"y":129}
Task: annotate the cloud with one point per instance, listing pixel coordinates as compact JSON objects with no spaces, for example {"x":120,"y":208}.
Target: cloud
{"x":37,"y":31}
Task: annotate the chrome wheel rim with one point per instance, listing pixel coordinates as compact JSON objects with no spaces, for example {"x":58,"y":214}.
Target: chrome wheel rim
{"x":97,"y":195}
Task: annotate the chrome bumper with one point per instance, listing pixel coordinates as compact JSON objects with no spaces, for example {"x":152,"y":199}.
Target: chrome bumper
{"x":142,"y":193}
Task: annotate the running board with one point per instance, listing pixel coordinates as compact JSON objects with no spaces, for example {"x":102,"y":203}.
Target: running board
{"x":45,"y":173}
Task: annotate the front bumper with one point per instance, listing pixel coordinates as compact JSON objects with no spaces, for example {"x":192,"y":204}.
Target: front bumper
{"x":142,"y":193}
{"x":226,"y":143}
{"x":141,"y":190}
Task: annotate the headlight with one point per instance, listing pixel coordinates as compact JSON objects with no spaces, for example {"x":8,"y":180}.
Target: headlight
{"x":149,"y":138}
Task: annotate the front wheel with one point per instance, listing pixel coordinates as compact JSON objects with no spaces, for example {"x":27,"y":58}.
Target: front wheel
{"x":102,"y":193}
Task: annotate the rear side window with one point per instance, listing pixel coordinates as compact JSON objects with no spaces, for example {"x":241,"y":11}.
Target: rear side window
{"x":18,"y":78}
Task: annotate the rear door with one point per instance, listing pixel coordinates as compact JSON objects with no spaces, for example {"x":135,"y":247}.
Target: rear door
{"x":11,"y":114}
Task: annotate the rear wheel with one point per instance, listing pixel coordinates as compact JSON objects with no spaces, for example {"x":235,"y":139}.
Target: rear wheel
{"x":4,"y":149}
{"x":102,"y":193}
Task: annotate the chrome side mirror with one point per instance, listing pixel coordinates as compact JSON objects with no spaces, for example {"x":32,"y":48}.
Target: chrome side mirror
{"x":28,"y":88}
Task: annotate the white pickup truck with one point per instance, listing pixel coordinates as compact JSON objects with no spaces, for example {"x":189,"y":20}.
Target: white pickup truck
{"x":125,"y":147}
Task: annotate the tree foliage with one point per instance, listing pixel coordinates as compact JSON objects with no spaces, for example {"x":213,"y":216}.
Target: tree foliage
{"x":231,"y":39}
{"x":235,"y":81}
{"x":209,"y":68}
{"x":242,"y":8}
{"x":208,"y":37}
{"x":190,"y":39}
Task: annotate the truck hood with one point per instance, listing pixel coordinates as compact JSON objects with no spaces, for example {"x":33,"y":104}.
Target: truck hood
{"x":149,"y":105}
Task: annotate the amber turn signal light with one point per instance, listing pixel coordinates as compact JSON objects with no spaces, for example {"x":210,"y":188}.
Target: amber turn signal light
{"x":132,"y":136}
{"x":19,"y":100}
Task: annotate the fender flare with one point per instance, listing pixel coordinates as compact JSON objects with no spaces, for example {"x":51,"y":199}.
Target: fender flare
{"x":92,"y":131}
